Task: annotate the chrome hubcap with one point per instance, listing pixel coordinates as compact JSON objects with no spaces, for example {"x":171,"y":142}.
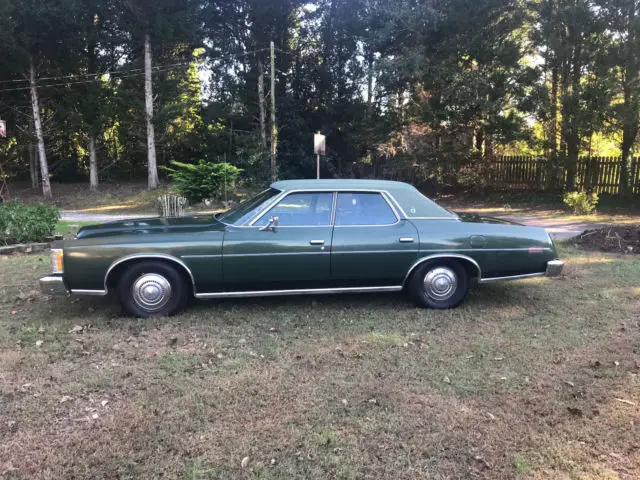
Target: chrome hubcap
{"x":440,"y":283}
{"x":151,"y":292}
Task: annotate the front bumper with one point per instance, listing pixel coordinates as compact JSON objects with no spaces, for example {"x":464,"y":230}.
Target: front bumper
{"x":554,"y":268}
{"x":53,"y":285}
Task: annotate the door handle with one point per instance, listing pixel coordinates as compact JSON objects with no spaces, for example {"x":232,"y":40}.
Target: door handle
{"x":406,"y":240}
{"x":317,"y":242}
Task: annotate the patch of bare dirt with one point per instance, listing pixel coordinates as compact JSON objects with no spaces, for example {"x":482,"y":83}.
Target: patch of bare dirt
{"x":614,"y":239}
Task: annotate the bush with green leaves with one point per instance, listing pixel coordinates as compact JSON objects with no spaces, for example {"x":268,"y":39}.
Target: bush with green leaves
{"x":20,"y":223}
{"x":203,"y":180}
{"x":581,"y":202}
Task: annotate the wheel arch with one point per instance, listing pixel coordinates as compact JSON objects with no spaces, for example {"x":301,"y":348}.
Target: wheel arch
{"x":469,"y":264}
{"x":119,"y":266}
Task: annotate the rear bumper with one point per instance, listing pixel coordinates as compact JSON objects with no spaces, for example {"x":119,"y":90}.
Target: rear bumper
{"x":554,"y":268}
{"x":53,"y":285}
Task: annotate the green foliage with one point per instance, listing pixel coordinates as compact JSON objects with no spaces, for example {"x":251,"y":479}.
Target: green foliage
{"x":581,"y":203}
{"x":20,"y":223}
{"x":203,"y":180}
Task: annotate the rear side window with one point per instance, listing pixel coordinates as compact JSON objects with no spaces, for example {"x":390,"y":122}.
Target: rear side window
{"x":359,"y":208}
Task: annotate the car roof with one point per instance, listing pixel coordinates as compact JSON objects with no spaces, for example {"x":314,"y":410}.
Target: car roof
{"x":412,"y":203}
{"x":287,"y":185}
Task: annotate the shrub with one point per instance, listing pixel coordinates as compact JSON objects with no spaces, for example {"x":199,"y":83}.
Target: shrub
{"x":581,"y":203}
{"x":202,"y":180}
{"x":20,"y":223}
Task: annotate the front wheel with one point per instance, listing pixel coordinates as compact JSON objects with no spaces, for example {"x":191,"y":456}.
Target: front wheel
{"x":439,"y":284}
{"x":152,"y":289}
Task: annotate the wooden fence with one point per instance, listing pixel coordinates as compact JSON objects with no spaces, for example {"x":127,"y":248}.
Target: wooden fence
{"x":601,"y":174}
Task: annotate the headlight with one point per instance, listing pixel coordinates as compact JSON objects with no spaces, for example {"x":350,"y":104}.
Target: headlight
{"x":56,"y":260}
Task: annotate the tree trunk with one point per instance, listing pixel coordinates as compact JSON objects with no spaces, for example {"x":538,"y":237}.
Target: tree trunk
{"x":93,"y":163}
{"x":480,"y":139}
{"x":263,"y":115}
{"x":148,"y":99}
{"x":573,"y":134}
{"x":274,"y":126}
{"x":33,"y":166}
{"x":37,"y":121}
{"x":488,"y":146}
{"x":631,"y":107}
{"x":371,"y":63}
{"x":553,"y":130}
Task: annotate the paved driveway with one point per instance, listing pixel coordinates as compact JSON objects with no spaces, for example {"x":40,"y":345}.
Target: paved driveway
{"x":557,"y":228}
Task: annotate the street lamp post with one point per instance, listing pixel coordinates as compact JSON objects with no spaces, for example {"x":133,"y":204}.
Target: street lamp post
{"x":319,"y":148}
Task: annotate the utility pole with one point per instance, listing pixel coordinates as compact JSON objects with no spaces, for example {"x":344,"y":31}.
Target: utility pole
{"x":274,"y":127}
{"x":262,"y":106}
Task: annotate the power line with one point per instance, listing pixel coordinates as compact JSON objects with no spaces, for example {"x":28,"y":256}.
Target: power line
{"x":158,"y":70}
{"x":117,"y":74}
{"x":81,"y":75}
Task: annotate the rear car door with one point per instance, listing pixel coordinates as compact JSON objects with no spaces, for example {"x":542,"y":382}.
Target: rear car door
{"x":295,"y":254}
{"x":372,"y":245}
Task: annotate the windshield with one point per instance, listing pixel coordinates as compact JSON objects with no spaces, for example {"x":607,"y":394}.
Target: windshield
{"x":248,"y":209}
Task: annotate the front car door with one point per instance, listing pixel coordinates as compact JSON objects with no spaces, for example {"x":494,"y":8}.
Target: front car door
{"x":294,"y":254}
{"x":372,"y":245}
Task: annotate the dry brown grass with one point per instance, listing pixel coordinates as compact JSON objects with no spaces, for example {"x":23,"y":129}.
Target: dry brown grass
{"x":525,"y":381}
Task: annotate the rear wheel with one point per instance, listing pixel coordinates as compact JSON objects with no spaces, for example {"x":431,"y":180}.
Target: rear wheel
{"x":151,"y":288}
{"x":439,"y":284}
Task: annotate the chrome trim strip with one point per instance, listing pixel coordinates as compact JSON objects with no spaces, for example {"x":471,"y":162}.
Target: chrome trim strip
{"x":404,"y":214}
{"x":373,"y":251}
{"x":276,"y":254}
{"x":312,"y":291}
{"x":513,"y":277}
{"x":442,"y":255}
{"x":139,"y":256}
{"x":201,"y":256}
{"x":453,"y":250}
{"x":93,"y":293}
{"x":387,"y":196}
{"x":334,"y":208}
{"x":434,"y":218}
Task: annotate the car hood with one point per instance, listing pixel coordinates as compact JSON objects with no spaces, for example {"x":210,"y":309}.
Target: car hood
{"x":152,"y":225}
{"x":475,"y":218}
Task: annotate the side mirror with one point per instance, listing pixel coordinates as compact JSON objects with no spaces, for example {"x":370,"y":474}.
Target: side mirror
{"x":271,"y":226}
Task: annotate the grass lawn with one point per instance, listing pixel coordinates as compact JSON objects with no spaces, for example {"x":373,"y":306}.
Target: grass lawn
{"x":532,"y":379}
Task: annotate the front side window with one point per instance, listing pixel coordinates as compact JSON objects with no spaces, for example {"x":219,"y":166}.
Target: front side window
{"x":363,"y":209}
{"x":248,"y":209}
{"x":304,"y":209}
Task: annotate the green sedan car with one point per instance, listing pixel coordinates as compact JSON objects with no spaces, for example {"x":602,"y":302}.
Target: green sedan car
{"x":301,"y":237}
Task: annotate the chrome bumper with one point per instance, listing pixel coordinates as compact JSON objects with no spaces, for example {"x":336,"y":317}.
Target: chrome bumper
{"x":554,"y":268}
{"x":53,"y":285}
